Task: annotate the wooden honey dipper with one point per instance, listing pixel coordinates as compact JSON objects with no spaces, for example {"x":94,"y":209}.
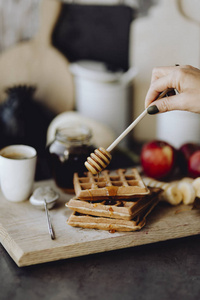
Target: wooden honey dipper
{"x":101,"y":157}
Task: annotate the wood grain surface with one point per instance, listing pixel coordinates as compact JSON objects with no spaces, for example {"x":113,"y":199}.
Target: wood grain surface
{"x":24,"y":232}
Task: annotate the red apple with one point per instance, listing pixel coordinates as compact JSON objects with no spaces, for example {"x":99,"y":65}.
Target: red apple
{"x":184,"y":154}
{"x":194,"y":165}
{"x":158,"y":159}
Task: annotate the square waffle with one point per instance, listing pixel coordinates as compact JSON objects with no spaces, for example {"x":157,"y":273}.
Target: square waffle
{"x":118,"y":184}
{"x":93,"y":222}
{"x":117,"y":209}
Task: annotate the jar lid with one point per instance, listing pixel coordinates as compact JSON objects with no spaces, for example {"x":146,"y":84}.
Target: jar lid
{"x":74,"y":132}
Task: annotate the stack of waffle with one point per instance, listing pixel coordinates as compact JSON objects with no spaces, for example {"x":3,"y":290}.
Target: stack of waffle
{"x":113,"y":200}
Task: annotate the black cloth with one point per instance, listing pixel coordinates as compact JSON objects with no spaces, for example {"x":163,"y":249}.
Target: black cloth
{"x":94,"y":32}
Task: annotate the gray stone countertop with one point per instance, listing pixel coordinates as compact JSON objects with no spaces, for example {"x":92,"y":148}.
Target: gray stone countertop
{"x":165,"y":270}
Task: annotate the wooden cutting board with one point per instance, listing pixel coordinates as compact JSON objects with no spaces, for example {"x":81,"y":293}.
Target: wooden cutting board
{"x":24,"y":233}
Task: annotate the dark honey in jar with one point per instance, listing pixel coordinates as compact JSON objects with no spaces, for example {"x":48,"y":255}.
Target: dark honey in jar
{"x":68,"y":153}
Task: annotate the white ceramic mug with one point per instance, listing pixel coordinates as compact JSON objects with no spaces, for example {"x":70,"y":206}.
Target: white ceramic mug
{"x":17,"y":171}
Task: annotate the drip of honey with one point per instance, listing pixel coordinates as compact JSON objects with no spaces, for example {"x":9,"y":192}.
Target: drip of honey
{"x":111,"y":230}
{"x":92,"y":198}
{"x":111,"y":191}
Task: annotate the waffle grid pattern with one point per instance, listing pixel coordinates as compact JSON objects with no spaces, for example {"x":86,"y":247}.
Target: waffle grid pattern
{"x":118,"y":183}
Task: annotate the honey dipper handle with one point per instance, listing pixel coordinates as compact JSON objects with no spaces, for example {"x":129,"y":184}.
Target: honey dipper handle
{"x":132,"y":125}
{"x":127,"y":130}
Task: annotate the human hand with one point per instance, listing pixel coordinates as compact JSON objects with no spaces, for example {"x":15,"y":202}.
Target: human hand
{"x":185,"y":79}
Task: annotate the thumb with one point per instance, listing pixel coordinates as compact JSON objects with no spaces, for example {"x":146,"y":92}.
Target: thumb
{"x":166,"y":104}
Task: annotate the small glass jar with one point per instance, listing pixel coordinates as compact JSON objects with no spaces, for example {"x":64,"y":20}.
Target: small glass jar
{"x":67,"y":154}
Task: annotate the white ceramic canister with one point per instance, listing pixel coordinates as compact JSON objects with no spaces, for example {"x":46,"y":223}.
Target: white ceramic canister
{"x":178,"y":127}
{"x":103,"y":95}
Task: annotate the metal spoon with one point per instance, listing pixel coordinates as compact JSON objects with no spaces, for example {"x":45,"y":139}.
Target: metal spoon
{"x":45,"y":198}
{"x":50,"y":227}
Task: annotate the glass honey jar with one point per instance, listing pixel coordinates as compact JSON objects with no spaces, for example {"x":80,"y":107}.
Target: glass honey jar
{"x":67,"y":154}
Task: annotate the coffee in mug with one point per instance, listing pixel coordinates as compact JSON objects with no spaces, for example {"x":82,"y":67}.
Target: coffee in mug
{"x":15,"y":155}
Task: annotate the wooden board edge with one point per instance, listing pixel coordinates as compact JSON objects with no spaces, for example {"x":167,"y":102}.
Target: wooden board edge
{"x":6,"y":241}
{"x":127,"y":240}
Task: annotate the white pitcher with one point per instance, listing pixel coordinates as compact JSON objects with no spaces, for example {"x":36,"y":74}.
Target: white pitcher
{"x":103,"y":95}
